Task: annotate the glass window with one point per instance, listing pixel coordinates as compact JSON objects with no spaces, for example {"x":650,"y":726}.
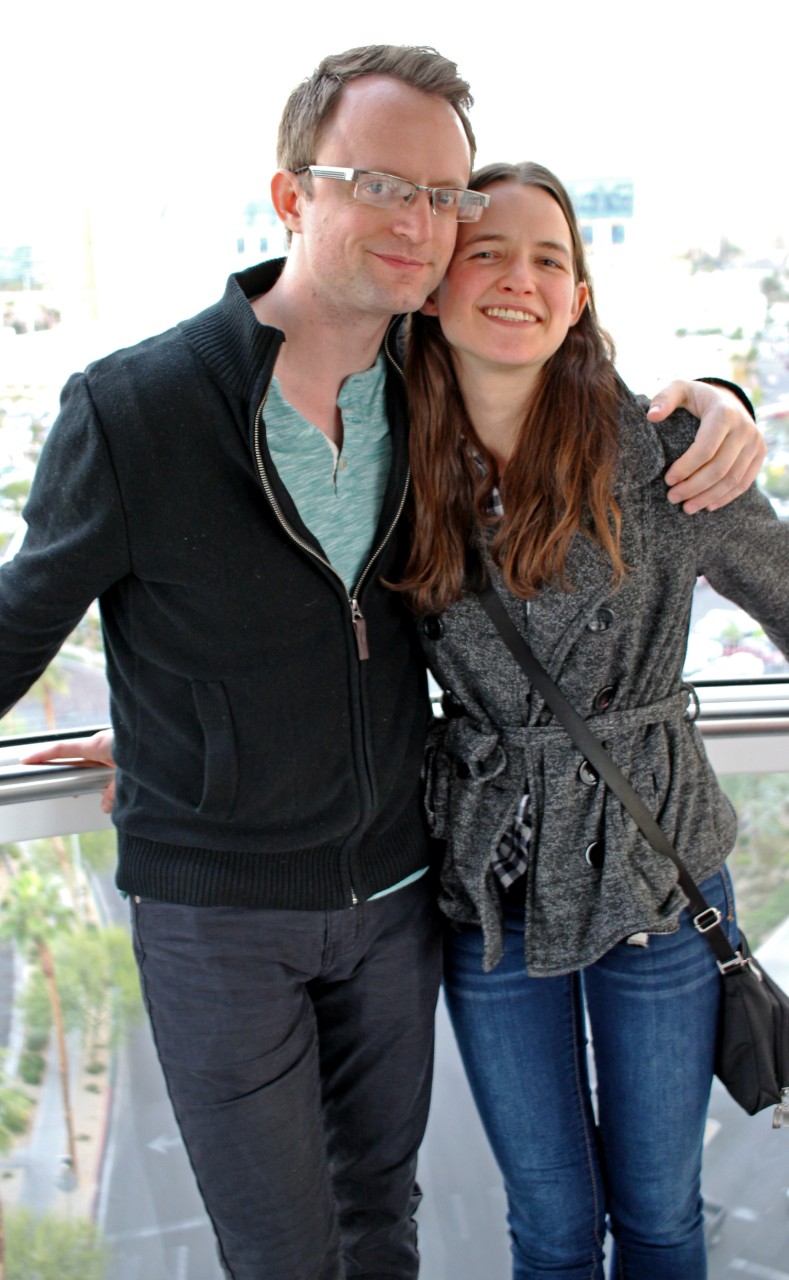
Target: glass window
{"x":102,"y":1169}
{"x":745,"y":1161}
{"x":93,"y":1173}
{"x":93,"y":257}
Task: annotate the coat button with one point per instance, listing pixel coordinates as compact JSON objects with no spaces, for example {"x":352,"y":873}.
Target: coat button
{"x":595,"y":854}
{"x":587,"y":774}
{"x":604,"y":697}
{"x":451,"y":706}
{"x":601,"y":621}
{"x":433,"y":627}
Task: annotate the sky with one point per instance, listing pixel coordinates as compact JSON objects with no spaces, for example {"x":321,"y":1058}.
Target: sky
{"x":166,"y":111}
{"x":179,"y":96}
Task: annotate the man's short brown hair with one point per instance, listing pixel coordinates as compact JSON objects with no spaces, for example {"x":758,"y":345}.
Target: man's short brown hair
{"x":312,"y":103}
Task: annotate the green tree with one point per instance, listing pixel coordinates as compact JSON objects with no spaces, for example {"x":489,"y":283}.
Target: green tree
{"x":53,"y":1248}
{"x":98,"y":850}
{"x":31,"y":914}
{"x":759,"y":862}
{"x":775,"y":480}
{"x":14,"y":494}
{"x":15,"y":1107}
{"x":53,"y":681}
{"x":97,"y":974}
{"x":51,"y":858}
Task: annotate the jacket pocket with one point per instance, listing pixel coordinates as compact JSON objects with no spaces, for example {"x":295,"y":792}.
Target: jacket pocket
{"x":220,"y":772}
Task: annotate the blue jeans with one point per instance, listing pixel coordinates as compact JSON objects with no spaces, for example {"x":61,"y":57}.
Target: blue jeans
{"x":653,"y":1015}
{"x":297,"y":1047}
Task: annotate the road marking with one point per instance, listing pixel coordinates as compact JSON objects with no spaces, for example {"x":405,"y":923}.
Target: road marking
{"x":711,"y":1127}
{"x":744,"y":1214}
{"x":164,"y":1143}
{"x":460,"y":1216}
{"x":181,"y":1263}
{"x":755,"y":1269}
{"x":188,"y":1224}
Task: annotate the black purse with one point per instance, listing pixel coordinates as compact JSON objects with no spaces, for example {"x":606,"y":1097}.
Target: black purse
{"x":752,"y":1053}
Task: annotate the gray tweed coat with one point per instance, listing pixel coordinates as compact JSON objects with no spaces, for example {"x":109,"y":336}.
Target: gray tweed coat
{"x":618,"y":656}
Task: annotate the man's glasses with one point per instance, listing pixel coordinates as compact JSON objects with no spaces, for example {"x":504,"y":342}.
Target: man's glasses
{"x":384,"y":191}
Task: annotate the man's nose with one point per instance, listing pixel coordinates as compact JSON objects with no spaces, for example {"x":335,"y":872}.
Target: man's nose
{"x":416,"y":219}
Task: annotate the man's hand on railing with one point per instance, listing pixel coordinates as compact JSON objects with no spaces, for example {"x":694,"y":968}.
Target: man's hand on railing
{"x":81,"y":752}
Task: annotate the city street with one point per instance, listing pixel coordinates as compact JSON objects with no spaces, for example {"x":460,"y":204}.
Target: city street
{"x":149,"y":1211}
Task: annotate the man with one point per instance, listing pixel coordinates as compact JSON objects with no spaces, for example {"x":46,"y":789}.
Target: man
{"x":268,"y":700}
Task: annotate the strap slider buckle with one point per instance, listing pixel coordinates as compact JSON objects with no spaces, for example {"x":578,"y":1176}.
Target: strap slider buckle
{"x":708,"y":919}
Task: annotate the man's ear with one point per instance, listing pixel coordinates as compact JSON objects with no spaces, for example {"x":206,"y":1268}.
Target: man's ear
{"x":286,"y":196}
{"x":430,"y":305}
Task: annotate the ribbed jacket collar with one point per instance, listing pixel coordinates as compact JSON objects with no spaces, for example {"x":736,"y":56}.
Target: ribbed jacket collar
{"x":232,"y":343}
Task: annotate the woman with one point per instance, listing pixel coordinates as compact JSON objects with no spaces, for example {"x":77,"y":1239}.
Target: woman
{"x":530,"y":455}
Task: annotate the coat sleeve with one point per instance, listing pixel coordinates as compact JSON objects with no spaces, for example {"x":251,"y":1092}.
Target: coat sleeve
{"x":74,"y":549}
{"x":743,"y":551}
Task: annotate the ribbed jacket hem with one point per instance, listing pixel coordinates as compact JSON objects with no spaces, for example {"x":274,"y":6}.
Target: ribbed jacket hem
{"x":314,"y":879}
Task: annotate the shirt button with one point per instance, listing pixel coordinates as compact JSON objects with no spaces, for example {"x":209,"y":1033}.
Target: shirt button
{"x":595,"y":854}
{"x":604,"y":698}
{"x":343,"y":464}
{"x":601,"y":621}
{"x":451,"y":706}
{"x":587,"y":774}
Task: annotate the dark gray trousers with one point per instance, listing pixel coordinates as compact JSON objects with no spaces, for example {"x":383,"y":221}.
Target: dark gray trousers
{"x":297,"y":1047}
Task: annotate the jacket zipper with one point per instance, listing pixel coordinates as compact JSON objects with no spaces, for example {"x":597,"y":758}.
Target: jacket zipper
{"x":357,"y":617}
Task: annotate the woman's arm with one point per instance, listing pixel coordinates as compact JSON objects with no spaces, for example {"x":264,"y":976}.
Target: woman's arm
{"x":743,"y":551}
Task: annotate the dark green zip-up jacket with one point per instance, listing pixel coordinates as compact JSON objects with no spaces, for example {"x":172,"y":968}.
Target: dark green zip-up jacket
{"x":262,"y":761}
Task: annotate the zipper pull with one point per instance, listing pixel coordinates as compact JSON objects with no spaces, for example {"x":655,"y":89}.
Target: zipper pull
{"x":360,"y":629}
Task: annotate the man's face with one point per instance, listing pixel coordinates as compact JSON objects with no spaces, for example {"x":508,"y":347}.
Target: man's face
{"x":376,"y":262}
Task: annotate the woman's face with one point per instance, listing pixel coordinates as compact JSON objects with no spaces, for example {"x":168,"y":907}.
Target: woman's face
{"x":510,"y":294}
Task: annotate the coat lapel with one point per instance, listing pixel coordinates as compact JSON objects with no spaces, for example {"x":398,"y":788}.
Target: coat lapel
{"x":558,"y":617}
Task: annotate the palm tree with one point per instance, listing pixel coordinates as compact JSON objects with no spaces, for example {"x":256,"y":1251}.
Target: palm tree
{"x":31,"y":914}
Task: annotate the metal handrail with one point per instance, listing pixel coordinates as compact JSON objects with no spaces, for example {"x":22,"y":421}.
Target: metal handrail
{"x":741,"y":727}
{"x":21,"y":783}
{"x":736,"y":710}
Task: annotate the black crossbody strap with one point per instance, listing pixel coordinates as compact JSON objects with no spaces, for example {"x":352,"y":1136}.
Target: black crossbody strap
{"x":706,"y":917}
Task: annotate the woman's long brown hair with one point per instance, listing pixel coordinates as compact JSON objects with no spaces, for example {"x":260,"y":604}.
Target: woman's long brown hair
{"x":559,"y":480}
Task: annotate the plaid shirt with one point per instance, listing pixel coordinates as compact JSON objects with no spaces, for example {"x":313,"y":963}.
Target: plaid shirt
{"x":511,"y":857}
